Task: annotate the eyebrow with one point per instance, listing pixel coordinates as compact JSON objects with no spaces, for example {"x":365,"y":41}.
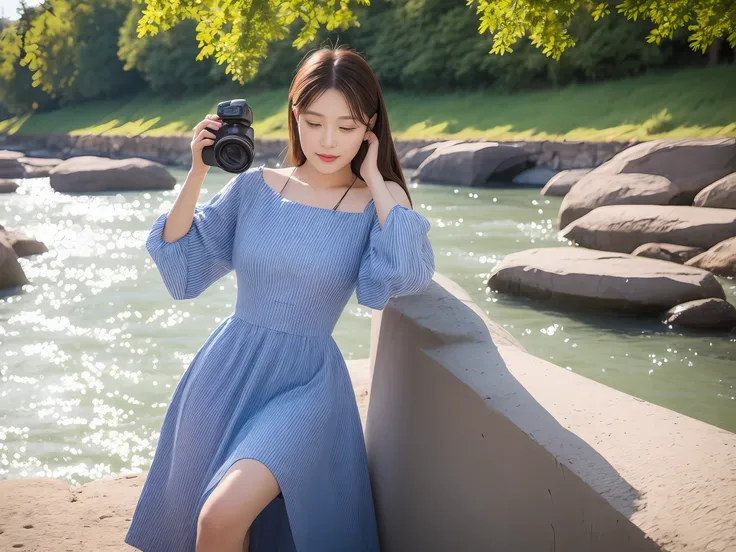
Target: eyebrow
{"x":308,"y":112}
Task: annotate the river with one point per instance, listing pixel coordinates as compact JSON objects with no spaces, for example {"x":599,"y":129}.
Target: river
{"x":92,"y":350}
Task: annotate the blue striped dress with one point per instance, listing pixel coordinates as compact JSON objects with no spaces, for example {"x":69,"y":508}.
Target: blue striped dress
{"x":270,"y":382}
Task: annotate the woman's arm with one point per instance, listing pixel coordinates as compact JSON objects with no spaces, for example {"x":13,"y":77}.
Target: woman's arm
{"x":181,"y":214}
{"x":398,"y":258}
{"x":203,"y":254}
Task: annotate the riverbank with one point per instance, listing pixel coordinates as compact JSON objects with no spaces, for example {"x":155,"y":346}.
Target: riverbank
{"x":45,"y":515}
{"x":175,"y":150}
{"x":687,"y":103}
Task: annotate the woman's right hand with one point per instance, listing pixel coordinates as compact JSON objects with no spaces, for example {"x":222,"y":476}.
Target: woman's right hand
{"x":203,"y":137}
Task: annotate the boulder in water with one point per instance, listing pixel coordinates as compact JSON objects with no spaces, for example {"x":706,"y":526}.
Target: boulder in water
{"x":702,"y":313}
{"x":22,"y":244}
{"x":7,"y":186}
{"x":473,"y":164}
{"x":38,"y":167}
{"x":10,"y":166}
{"x":719,"y":259}
{"x":690,"y":164}
{"x":561,"y":183}
{"x":721,"y":194}
{"x":414,"y":157}
{"x":575,"y":277}
{"x":99,"y":174}
{"x":11,"y":273}
{"x":667,"y":252}
{"x":613,"y":189}
{"x":623,"y":228}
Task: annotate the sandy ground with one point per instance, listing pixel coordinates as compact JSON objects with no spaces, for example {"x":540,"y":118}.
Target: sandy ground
{"x":44,"y":514}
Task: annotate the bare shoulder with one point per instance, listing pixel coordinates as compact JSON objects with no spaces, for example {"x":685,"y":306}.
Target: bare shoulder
{"x":275,"y":177}
{"x":398,"y":193}
{"x":275,"y":171}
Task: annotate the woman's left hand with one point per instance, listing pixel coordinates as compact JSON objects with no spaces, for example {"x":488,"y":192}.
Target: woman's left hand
{"x":369,"y":168}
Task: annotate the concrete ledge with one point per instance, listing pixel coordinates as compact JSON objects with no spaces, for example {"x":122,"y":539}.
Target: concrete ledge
{"x":474,"y":444}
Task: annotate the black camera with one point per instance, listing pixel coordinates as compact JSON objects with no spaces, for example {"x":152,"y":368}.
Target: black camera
{"x":233,"y":149}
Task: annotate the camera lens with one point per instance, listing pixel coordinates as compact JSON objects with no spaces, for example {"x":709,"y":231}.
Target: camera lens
{"x":234,"y":154}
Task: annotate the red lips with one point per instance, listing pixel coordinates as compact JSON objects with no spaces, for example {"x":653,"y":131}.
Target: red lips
{"x":327,"y":158}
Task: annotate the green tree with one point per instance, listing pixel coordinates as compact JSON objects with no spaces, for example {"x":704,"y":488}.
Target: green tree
{"x":99,"y":72}
{"x":167,"y":61}
{"x":547,"y":22}
{"x":71,"y":49}
{"x":49,"y":48}
{"x":17,"y":93}
{"x":237,"y":32}
{"x":407,"y":43}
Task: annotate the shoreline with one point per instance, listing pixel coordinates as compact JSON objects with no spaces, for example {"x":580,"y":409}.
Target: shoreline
{"x":175,"y":150}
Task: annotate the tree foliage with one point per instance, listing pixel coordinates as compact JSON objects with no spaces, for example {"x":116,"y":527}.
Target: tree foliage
{"x":167,"y":61}
{"x":64,"y":51}
{"x":238,"y":32}
{"x":547,"y":22}
{"x":408,"y":42}
{"x":49,"y":47}
{"x":17,"y":93}
{"x":99,"y":74}
{"x":70,"y":47}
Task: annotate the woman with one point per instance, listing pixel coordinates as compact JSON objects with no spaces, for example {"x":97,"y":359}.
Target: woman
{"x":261,"y":447}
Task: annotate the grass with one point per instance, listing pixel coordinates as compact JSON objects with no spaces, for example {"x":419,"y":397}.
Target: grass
{"x":687,"y":103}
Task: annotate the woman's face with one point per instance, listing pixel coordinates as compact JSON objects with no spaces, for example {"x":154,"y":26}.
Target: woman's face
{"x":326,"y":128}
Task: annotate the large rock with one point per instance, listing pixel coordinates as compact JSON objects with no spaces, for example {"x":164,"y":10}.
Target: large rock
{"x":414,"y":157}
{"x":10,"y":167}
{"x":98,"y":174}
{"x":689,"y":164}
{"x":613,"y":189}
{"x":702,"y":313}
{"x":473,"y":164}
{"x":720,"y":259}
{"x":561,"y":183}
{"x":623,"y":228}
{"x":22,"y":244}
{"x":721,"y":194}
{"x":38,"y":167}
{"x":7,"y":186}
{"x":667,"y":252}
{"x":11,"y":273}
{"x":584,"y":278}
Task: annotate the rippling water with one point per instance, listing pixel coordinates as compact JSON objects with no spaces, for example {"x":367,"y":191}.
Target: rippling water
{"x":92,"y":350}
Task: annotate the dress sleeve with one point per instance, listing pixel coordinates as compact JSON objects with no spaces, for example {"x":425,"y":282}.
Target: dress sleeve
{"x":203,"y":255}
{"x":398,"y":259}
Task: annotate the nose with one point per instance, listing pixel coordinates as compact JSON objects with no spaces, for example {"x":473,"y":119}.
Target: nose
{"x":328,"y":139}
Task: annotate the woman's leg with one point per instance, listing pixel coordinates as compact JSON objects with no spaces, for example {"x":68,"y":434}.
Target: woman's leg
{"x":227,"y":514}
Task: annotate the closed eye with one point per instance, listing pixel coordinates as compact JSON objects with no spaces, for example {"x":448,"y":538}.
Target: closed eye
{"x":314,"y":125}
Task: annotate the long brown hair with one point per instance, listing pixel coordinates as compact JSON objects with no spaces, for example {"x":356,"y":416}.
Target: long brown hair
{"x":346,"y":71}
